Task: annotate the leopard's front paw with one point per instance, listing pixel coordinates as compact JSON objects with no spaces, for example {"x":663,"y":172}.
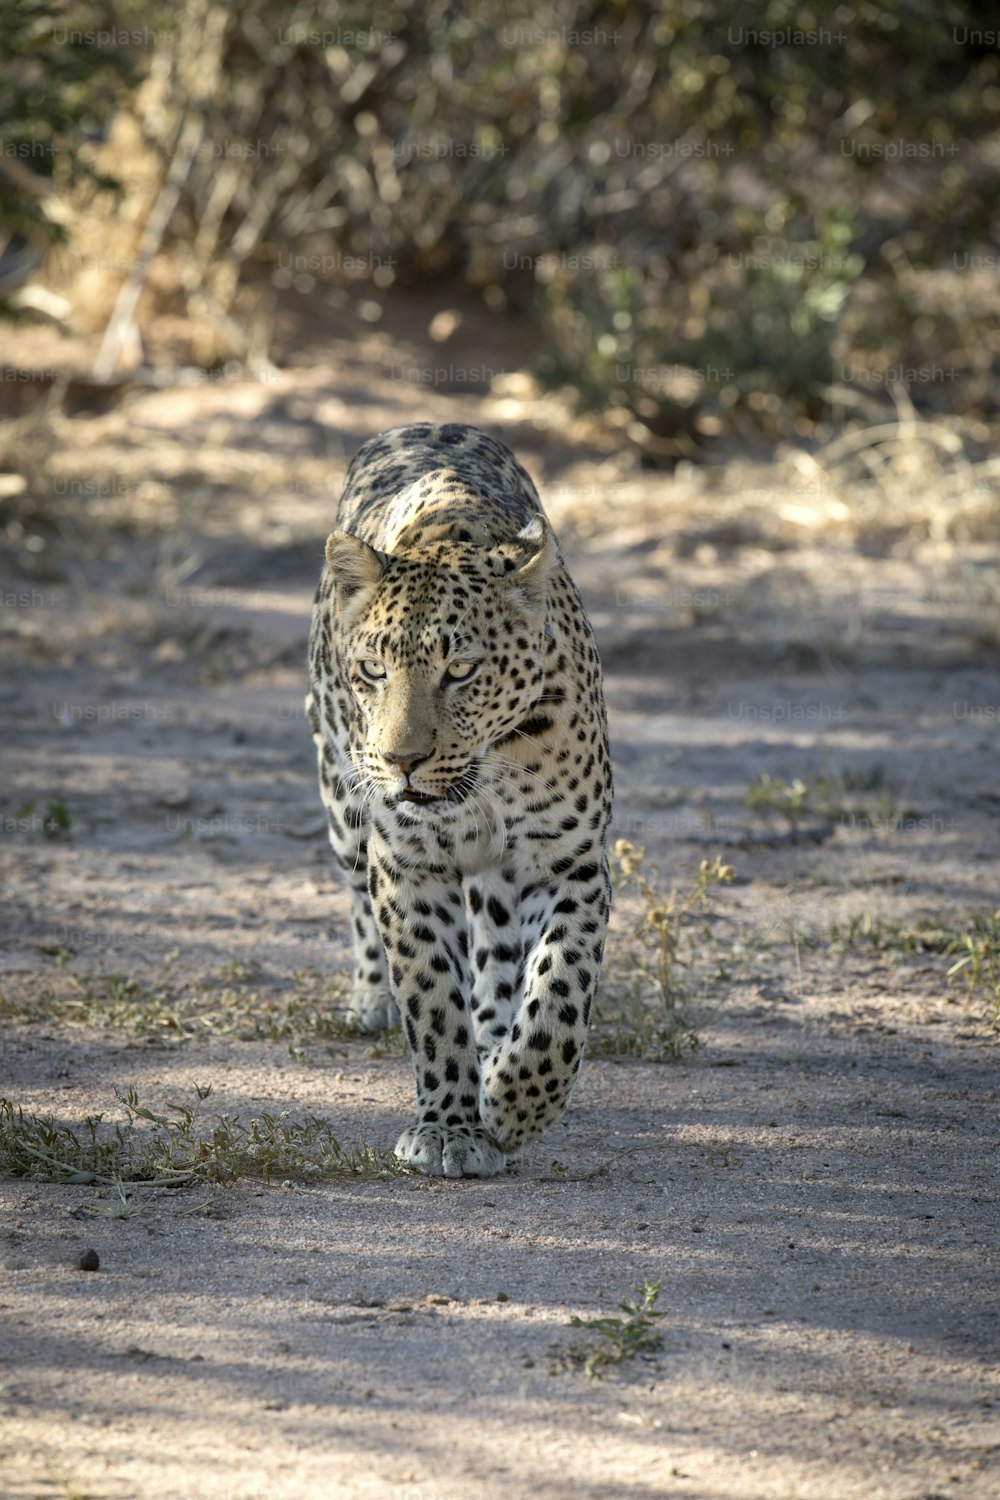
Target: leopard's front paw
{"x":372,"y":1010}
{"x":450,"y":1151}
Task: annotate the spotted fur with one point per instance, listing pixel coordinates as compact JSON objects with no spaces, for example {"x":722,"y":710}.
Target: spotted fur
{"x":459,"y":720}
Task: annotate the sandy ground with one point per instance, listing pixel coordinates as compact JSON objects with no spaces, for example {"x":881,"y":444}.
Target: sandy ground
{"x":816,"y":1189}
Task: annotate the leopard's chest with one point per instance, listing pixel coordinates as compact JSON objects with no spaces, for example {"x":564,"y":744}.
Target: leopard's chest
{"x":487,"y":833}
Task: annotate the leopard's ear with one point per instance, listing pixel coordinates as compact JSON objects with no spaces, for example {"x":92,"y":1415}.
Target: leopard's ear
{"x":537,"y":553}
{"x":356,"y":567}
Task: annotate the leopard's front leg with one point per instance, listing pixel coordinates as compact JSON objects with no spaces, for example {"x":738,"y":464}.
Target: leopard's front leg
{"x":371,"y":1006}
{"x":421,"y":917}
{"x":528,"y":1078}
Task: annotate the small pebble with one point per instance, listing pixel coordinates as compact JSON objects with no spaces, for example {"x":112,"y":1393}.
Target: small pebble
{"x":88,"y":1260}
{"x":502,"y":1297}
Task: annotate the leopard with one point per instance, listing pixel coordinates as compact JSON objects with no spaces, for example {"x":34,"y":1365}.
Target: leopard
{"x":457,"y":707}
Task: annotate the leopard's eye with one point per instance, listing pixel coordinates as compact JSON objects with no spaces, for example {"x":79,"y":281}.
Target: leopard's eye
{"x":371,"y":670}
{"x":460,"y":671}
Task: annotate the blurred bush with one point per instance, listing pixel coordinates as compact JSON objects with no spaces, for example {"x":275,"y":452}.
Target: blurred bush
{"x":53,"y":96}
{"x":724,"y":217}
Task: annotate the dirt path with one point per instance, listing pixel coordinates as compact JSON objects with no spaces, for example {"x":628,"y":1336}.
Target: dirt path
{"x":815,"y":1190}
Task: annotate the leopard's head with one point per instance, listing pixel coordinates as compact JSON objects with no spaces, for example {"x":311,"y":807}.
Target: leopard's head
{"x":444,"y":652}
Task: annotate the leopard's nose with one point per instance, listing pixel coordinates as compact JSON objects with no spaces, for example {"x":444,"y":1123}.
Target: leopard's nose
{"x":405,"y":760}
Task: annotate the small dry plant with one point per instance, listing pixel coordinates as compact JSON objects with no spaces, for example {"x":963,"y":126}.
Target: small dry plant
{"x":831,"y":797}
{"x":906,"y":470}
{"x":153,"y":1001}
{"x":643,"y":1009}
{"x":979,"y":946}
{"x":176,"y":1146}
{"x":975,"y":940}
{"x":620,"y":1339}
